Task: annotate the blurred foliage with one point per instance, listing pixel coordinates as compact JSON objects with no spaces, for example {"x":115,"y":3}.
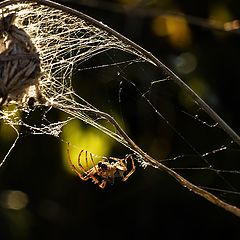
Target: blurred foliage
{"x":175,"y":28}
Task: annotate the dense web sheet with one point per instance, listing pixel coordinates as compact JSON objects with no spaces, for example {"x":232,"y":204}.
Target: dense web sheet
{"x":128,"y":87}
{"x":60,"y":48}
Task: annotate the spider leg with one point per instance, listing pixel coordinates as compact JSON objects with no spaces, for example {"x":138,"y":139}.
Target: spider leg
{"x":86,"y":159}
{"x":89,"y":173}
{"x":79,"y":157}
{"x":132,"y":170}
{"x":111,"y":158}
{"x":112,"y":177}
{"x":84,"y":178}
{"x":94,"y":165}
{"x":79,"y":161}
{"x":103,"y":184}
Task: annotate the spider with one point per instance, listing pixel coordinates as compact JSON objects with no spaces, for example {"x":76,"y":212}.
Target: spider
{"x":104,"y":171}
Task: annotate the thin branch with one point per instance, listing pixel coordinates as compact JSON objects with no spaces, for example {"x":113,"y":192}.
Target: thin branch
{"x":151,"y":161}
{"x":148,"y":56}
{"x":145,"y":53}
{"x":232,"y":26}
{"x":184,"y":182}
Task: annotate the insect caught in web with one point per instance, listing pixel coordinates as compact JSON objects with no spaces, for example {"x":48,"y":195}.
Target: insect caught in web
{"x":19,"y":62}
{"x":105,"y":170}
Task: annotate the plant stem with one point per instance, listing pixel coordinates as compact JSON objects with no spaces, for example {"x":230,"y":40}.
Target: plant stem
{"x":184,"y":182}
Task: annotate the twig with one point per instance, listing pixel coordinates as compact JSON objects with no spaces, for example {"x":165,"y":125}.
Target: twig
{"x":227,"y":27}
{"x":150,"y":57}
{"x":184,"y":182}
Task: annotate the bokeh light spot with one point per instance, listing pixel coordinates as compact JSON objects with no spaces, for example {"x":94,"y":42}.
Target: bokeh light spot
{"x":185,"y":63}
{"x":13,"y":199}
{"x":175,"y":28}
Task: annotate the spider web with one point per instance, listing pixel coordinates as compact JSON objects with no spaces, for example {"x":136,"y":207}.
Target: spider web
{"x":86,"y":70}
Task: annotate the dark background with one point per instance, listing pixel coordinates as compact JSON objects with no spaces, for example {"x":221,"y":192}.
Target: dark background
{"x":150,"y":203}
